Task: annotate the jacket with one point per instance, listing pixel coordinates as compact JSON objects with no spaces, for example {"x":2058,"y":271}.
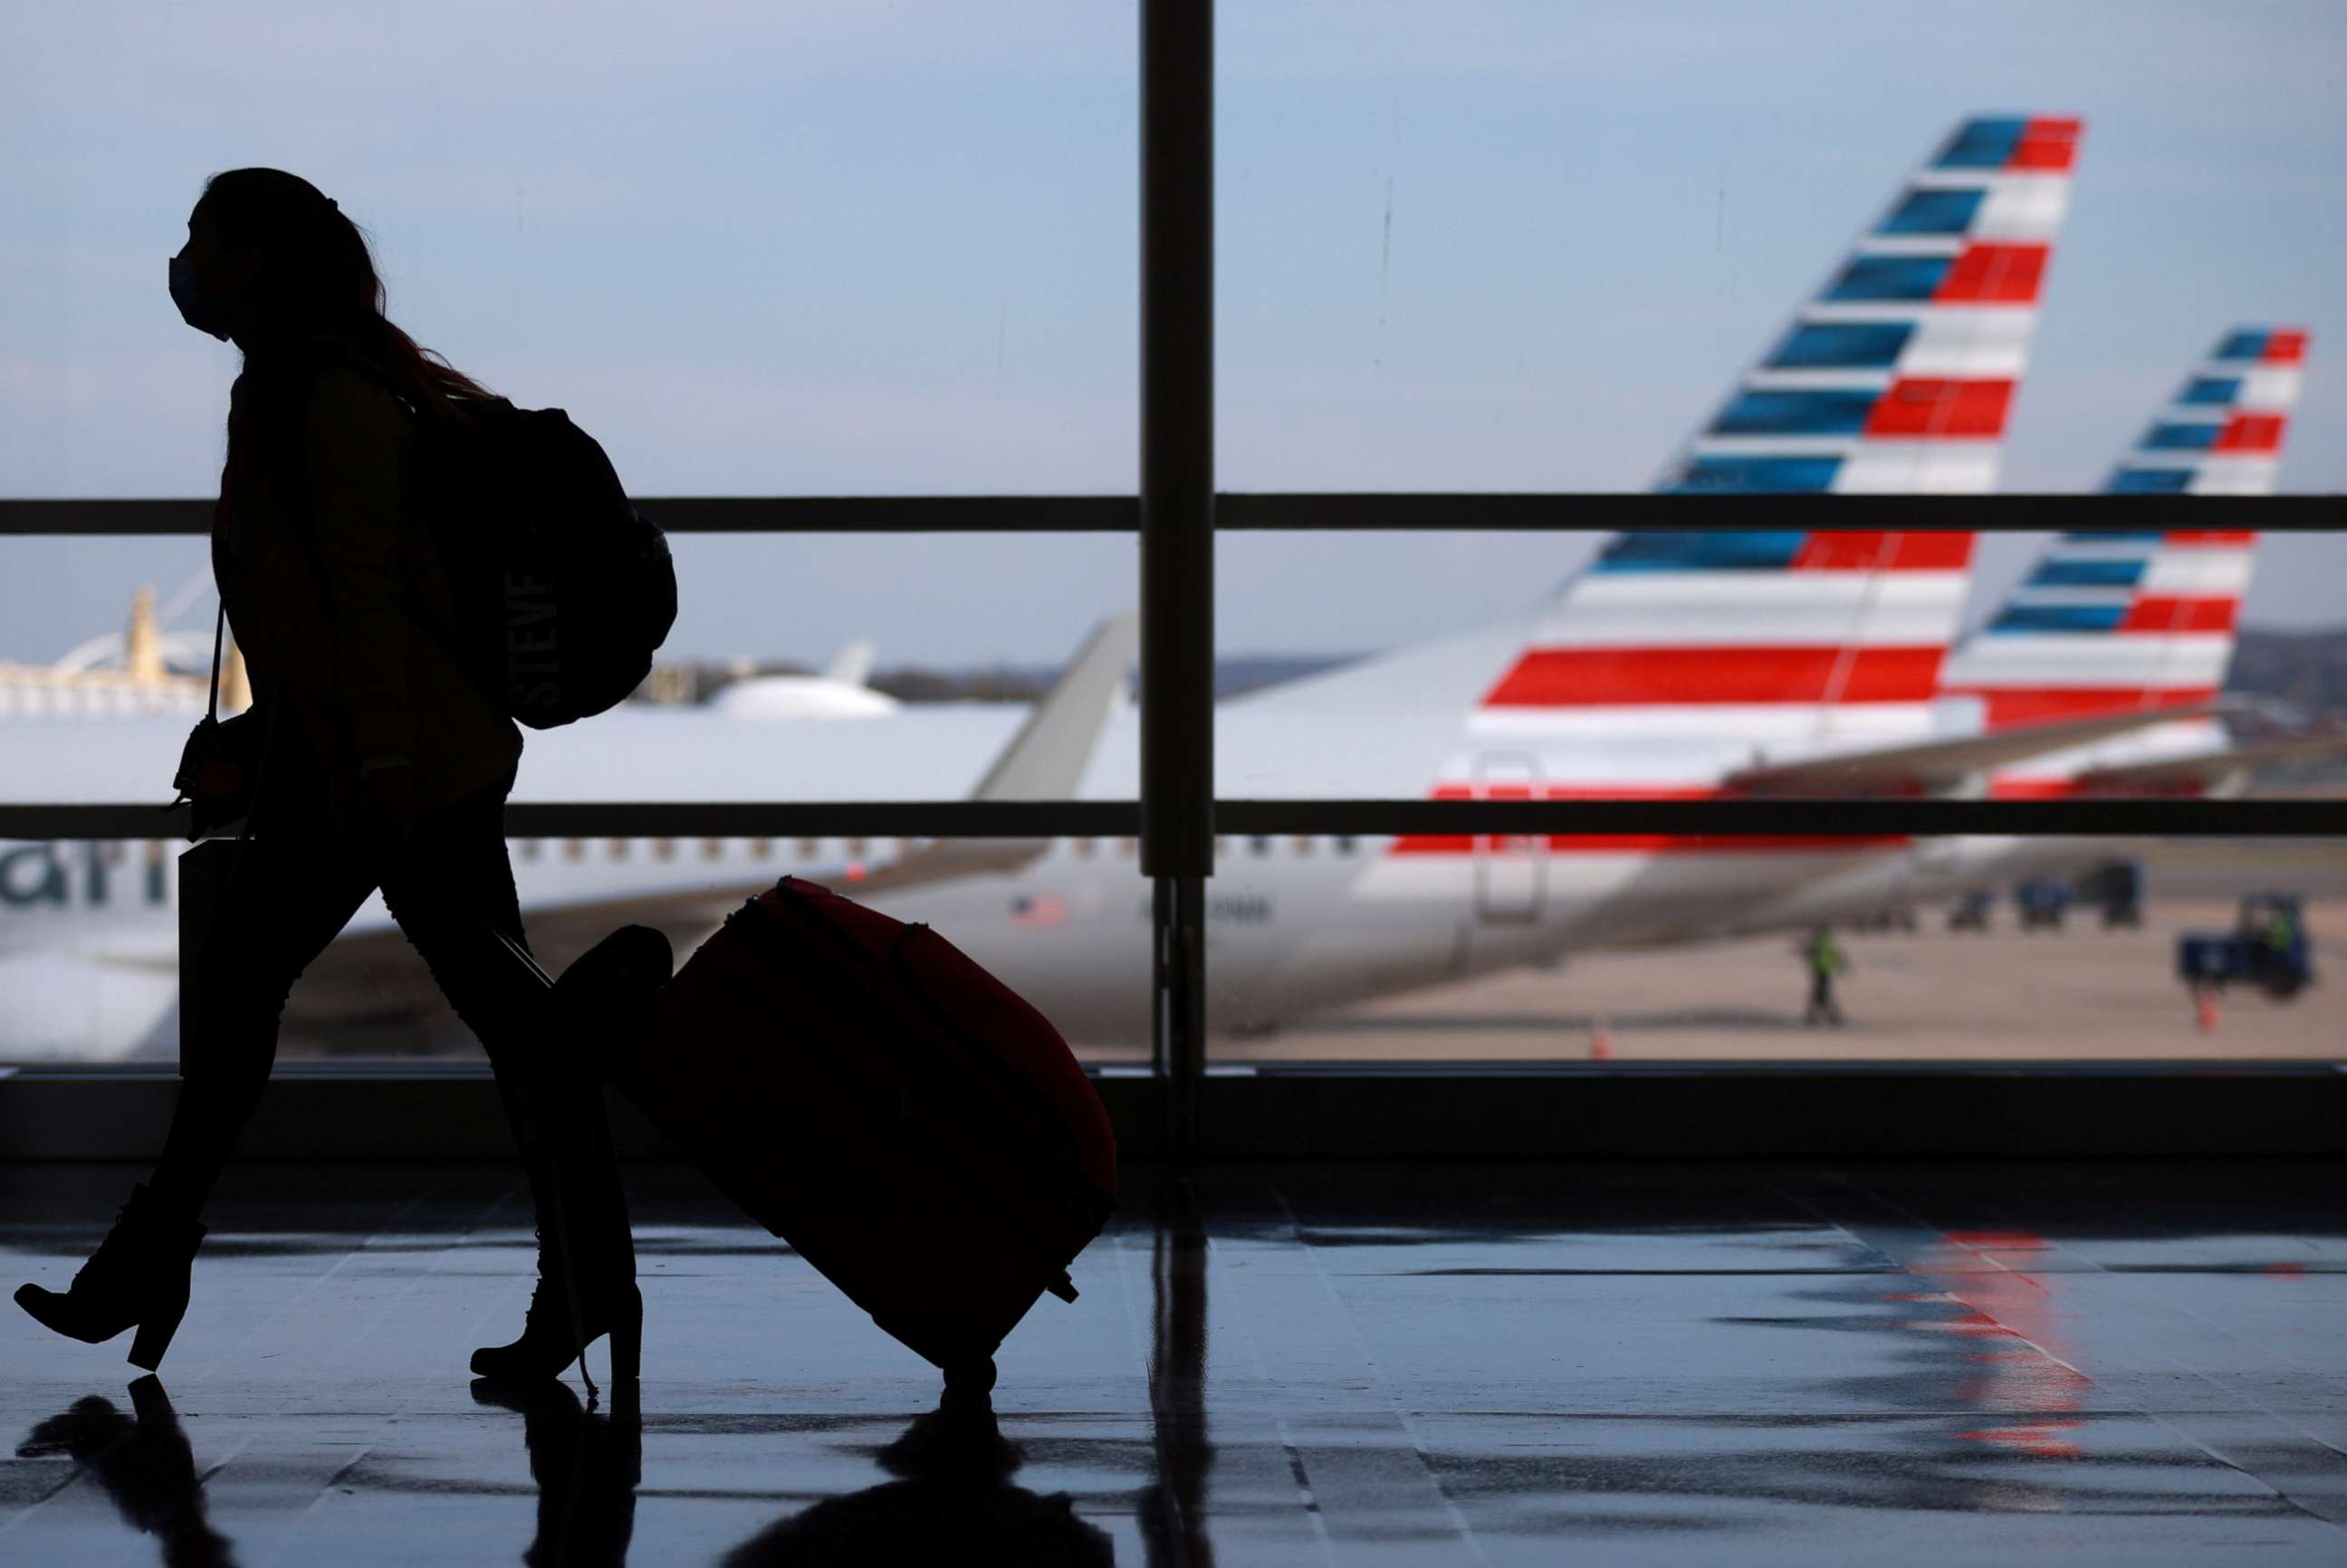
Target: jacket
{"x":346,"y":634}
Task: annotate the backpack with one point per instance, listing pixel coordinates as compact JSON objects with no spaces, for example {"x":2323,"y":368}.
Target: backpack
{"x":562,"y":590}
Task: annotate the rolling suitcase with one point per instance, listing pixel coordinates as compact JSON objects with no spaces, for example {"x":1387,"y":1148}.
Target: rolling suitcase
{"x":873,"y":1097}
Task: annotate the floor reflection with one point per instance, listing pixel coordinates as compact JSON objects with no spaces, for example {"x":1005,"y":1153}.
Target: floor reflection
{"x":1501,"y":1364}
{"x":144,"y":1463}
{"x":1173,"y":1510}
{"x":954,"y":1503}
{"x":587,"y":1467}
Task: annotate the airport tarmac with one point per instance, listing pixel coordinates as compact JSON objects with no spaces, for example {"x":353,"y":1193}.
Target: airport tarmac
{"x":2078,"y":993}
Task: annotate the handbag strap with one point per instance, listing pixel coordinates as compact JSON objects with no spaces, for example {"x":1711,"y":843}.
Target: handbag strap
{"x":220,"y":624}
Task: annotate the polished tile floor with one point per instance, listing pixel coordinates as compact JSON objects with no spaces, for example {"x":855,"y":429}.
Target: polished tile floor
{"x":1416,"y":1364}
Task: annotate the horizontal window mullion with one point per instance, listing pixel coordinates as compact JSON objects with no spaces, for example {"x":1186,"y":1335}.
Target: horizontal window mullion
{"x":1783,"y":818}
{"x":1739,"y":817}
{"x":1473,"y":513}
{"x":1340,"y":512}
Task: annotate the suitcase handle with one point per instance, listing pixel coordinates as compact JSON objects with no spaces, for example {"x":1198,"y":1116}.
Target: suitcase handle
{"x":520,"y":954}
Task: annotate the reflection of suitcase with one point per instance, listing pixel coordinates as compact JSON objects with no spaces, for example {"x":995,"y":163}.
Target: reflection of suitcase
{"x":875,"y":1098}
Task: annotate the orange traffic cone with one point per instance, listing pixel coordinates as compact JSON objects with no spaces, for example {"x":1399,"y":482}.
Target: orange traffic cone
{"x":1601,"y":1039}
{"x":2205,"y":1004}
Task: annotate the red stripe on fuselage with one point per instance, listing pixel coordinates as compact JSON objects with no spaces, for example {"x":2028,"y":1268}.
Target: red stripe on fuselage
{"x":2195,"y":540}
{"x":1619,"y":677}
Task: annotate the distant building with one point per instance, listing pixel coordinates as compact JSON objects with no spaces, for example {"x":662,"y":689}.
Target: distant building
{"x":126,"y":675}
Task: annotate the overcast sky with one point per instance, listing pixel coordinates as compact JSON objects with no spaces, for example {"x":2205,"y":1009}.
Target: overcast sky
{"x":798,"y":247}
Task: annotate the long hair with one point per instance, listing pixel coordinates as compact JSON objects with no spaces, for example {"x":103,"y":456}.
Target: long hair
{"x":317,"y":276}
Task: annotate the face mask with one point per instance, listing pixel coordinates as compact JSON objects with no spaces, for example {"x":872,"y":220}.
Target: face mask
{"x":197,"y":309}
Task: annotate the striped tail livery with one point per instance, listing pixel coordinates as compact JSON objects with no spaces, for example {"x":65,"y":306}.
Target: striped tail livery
{"x":2113,"y":622}
{"x":1899,"y":377}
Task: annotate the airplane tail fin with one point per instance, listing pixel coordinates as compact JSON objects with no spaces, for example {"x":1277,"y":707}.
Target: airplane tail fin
{"x":852,"y":665}
{"x":1897,"y":377}
{"x":2112,"y":621}
{"x":2222,"y":433}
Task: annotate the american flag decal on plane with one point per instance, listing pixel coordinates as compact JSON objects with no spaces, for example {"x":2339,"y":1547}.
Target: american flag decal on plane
{"x":2108,"y":621}
{"x":1898,"y":377}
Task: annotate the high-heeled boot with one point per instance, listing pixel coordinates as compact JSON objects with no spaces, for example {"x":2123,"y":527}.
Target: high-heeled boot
{"x":138,"y":1278}
{"x":586,"y":1252}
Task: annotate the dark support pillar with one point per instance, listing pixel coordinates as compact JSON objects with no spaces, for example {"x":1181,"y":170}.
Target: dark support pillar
{"x":1177,"y":531}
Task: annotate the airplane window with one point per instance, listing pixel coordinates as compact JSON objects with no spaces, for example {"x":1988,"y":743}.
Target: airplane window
{"x":529,"y":847}
{"x":1222,"y":847}
{"x":761,"y":848}
{"x":618,"y":849}
{"x":1125,"y":847}
{"x":572,"y":849}
{"x":856,"y":850}
{"x":1258,"y":845}
{"x":1303,"y":845}
{"x":806,"y":848}
{"x":1344,"y":844}
{"x":1084,"y":848}
{"x":663,"y":849}
{"x":711,"y":848}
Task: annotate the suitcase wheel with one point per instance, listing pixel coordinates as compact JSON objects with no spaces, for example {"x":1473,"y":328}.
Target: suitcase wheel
{"x":970,"y":1380}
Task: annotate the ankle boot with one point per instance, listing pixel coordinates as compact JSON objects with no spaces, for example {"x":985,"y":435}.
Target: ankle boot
{"x":137,"y":1278}
{"x":586,"y":1252}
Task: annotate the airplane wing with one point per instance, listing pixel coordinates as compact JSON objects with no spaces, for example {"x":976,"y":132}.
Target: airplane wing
{"x":1940,"y":763}
{"x":2208,"y":769}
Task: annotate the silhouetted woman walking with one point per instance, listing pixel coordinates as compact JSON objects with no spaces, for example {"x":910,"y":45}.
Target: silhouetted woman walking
{"x":379,"y":762}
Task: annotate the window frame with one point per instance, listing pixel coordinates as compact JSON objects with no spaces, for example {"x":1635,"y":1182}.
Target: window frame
{"x":1461,"y":1108}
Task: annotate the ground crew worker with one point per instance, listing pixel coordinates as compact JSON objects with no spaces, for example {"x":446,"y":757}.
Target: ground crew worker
{"x":1825,"y":958}
{"x":2281,"y":931}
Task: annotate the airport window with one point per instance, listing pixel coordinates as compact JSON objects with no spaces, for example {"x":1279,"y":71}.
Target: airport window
{"x":1844,"y":386}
